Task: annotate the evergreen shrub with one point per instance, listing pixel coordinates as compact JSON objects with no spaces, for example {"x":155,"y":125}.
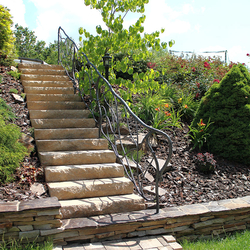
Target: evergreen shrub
{"x":12,"y":151}
{"x":227,"y":104}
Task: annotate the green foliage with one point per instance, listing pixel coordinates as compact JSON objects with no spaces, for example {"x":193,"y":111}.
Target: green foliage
{"x":227,"y":104}
{"x":14,"y":74}
{"x":20,"y":245}
{"x":128,"y":42}
{"x":6,"y":35}
{"x":146,"y":107}
{"x":7,"y":52}
{"x":5,"y":111}
{"x":15,"y":91}
{"x":199,"y":134}
{"x":12,"y":152}
{"x":27,"y":46}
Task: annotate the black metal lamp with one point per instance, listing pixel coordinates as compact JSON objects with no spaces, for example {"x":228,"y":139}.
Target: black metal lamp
{"x":106,"y":63}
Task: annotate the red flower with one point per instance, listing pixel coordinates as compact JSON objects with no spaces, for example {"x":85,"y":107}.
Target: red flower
{"x":198,"y":84}
{"x":202,"y":123}
{"x":197,"y":95}
{"x":248,"y":54}
{"x":193,"y":69}
{"x":243,"y":64}
{"x":182,"y":66}
{"x":151,"y":65}
{"x":207,"y":65}
{"x":216,"y":80}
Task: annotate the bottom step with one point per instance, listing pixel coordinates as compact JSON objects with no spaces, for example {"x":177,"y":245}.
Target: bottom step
{"x":101,"y":205}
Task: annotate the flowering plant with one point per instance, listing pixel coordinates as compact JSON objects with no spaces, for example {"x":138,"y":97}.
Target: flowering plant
{"x":200,"y":134}
{"x":205,"y":162}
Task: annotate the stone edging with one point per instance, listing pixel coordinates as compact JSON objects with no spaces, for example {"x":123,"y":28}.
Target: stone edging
{"x":39,"y":219}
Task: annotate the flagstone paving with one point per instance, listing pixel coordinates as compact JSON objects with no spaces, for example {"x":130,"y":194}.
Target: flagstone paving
{"x":165,"y":242}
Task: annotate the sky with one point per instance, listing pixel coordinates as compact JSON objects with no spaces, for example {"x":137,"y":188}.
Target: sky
{"x":195,"y":25}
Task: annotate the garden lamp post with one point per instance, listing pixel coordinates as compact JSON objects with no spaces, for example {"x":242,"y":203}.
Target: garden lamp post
{"x":106,"y":63}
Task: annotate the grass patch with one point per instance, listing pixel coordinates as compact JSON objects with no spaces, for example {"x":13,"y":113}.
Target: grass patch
{"x":238,"y":241}
{"x":19,"y":245}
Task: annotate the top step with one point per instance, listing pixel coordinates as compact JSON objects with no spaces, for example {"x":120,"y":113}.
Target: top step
{"x":39,"y":66}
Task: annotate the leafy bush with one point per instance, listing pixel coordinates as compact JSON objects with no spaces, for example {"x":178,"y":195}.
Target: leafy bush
{"x":6,"y":37}
{"x":14,"y":74}
{"x":227,"y":104}
{"x":12,"y":152}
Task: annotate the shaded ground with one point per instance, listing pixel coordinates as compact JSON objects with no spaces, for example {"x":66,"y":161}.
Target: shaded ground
{"x":184,"y":184}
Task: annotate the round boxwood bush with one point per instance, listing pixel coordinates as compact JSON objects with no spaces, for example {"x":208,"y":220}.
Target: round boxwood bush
{"x":227,"y":104}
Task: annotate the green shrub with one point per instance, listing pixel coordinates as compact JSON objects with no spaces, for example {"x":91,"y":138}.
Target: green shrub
{"x":5,"y":111}
{"x":7,"y":50}
{"x":227,"y":104}
{"x":14,"y":74}
{"x":12,"y":151}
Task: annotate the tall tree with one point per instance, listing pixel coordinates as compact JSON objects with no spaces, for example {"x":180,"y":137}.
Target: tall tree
{"x":115,"y":39}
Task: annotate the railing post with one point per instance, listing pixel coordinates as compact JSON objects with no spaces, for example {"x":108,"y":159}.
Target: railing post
{"x":58,"y":45}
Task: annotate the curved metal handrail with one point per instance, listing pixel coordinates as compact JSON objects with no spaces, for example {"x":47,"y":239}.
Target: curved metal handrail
{"x":109,"y":110}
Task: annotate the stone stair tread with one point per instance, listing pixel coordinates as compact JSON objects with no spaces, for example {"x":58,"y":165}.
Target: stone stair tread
{"x":47,"y":83}
{"x":43,"y":71}
{"x":49,"y":90}
{"x":58,"y":114}
{"x":63,"y":123}
{"x":66,"y":133}
{"x":71,"y":144}
{"x":54,"y":105}
{"x":78,"y":189}
{"x":38,"y":66}
{"x":57,"y":158}
{"x":25,"y":77}
{"x":53,"y":97}
{"x":79,"y":208}
{"x":81,"y":172}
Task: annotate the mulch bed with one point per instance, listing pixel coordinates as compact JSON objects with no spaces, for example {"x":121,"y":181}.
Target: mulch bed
{"x":184,"y":183}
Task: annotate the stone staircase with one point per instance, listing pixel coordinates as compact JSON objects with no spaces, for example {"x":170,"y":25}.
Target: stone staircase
{"x":80,"y":170}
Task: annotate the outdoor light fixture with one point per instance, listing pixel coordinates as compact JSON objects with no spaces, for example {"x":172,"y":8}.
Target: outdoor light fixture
{"x":106,"y":63}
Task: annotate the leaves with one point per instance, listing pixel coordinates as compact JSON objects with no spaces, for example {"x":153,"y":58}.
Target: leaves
{"x":116,"y":40}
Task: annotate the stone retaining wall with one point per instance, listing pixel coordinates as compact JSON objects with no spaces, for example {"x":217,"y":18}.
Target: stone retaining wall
{"x":41,"y":218}
{"x":203,"y":220}
{"x":30,"y":220}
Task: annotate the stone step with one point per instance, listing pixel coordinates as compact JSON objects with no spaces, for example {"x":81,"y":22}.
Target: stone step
{"x":47,"y":83}
{"x":44,"y":77}
{"x":82,"y":172}
{"x":79,"y":189}
{"x":58,"y":114}
{"x":77,"y":157}
{"x":43,"y":105}
{"x":71,"y":144}
{"x":53,"y":97}
{"x":49,"y":90}
{"x":43,"y":72}
{"x":62,"y":123}
{"x":79,"y":208}
{"x":38,"y":66}
{"x":66,"y":133}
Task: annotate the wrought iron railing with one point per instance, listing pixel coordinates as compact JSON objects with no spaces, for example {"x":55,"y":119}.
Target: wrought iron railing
{"x":135,"y":144}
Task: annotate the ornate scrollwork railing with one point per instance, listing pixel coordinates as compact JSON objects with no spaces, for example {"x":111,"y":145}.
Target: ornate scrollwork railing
{"x":135,"y":146}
